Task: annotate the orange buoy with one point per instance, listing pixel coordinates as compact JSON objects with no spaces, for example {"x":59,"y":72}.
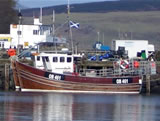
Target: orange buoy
{"x":136,"y":64}
{"x":11,"y":52}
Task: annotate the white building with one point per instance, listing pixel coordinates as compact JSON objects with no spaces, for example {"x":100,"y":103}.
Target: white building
{"x":133,"y":47}
{"x":5,"y":41}
{"x":30,"y":35}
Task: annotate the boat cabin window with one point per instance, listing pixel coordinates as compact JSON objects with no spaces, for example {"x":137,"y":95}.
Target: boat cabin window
{"x":38,"y":58}
{"x":47,"y":59}
{"x":77,"y":58}
{"x":62,"y":59}
{"x":55,"y":59}
{"x":69,"y":59}
{"x":43,"y":59}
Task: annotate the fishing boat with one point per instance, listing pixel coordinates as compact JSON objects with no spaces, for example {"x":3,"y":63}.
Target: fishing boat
{"x":61,"y":73}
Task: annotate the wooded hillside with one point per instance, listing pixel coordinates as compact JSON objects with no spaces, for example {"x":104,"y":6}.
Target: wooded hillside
{"x":100,"y":7}
{"x":7,"y":15}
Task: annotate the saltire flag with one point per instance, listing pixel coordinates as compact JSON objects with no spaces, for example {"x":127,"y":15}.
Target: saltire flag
{"x":74,"y":25}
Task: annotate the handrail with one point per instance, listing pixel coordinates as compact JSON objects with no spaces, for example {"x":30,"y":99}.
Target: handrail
{"x":143,"y":69}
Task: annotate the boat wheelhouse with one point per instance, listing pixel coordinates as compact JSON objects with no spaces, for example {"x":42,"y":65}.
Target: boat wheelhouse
{"x":57,"y":63}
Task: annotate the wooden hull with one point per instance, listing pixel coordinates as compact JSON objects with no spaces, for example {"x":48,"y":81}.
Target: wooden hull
{"x":32,"y":79}
{"x":15,"y":75}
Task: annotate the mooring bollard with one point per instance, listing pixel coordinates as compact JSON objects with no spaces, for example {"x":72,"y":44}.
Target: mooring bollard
{"x":148,"y":85}
{"x":6,"y":76}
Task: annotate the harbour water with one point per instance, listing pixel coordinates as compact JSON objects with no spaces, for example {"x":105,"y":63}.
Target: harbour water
{"x":29,"y":106}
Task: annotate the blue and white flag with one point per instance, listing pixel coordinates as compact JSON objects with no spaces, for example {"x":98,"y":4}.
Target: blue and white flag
{"x":74,"y":25}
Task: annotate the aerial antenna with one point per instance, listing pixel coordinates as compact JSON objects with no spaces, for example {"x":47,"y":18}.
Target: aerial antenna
{"x":103,"y":38}
{"x":53,"y":20}
{"x":41,"y":15}
{"x":68,"y":10}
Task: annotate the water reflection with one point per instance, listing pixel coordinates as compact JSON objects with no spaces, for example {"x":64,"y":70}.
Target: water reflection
{"x":53,"y":106}
{"x":17,"y":106}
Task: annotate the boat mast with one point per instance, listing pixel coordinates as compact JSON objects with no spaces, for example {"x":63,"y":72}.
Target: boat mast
{"x":53,"y":30}
{"x":19,"y":22}
{"x":70,"y":29}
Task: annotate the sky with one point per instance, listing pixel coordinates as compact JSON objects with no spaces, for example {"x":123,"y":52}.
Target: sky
{"x":45,"y":3}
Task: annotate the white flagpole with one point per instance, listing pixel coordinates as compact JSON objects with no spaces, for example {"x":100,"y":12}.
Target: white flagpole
{"x":70,"y":29}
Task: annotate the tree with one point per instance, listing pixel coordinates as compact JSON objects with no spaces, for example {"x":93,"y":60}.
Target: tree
{"x":8,"y":15}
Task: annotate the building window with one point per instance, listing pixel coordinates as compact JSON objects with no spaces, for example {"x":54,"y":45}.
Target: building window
{"x":2,"y":44}
{"x":55,"y":59}
{"x":69,"y":59}
{"x":35,"y":32}
{"x":62,"y":59}
{"x":19,"y":32}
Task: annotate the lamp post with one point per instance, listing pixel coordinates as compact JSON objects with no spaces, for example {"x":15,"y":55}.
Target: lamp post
{"x":19,"y":22}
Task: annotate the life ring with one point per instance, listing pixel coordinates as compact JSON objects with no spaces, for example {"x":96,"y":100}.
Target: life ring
{"x":124,"y":64}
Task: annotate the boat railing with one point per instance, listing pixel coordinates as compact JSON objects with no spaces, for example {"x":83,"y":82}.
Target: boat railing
{"x":144,"y":67}
{"x":105,"y":72}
